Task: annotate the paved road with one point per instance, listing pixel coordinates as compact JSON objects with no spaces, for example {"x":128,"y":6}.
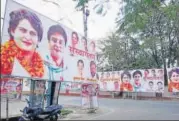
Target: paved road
{"x":118,"y":109}
{"x":126,"y":109}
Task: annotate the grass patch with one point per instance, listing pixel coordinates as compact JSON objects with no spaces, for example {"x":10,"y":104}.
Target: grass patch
{"x":65,"y":112}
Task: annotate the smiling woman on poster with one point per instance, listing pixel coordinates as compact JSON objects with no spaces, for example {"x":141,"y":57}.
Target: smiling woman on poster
{"x":126,"y":86}
{"x":138,"y":85}
{"x":18,"y":54}
{"x":173,"y":80}
{"x":57,"y":39}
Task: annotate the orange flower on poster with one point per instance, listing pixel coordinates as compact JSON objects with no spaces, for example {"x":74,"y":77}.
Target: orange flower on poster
{"x":9,"y":51}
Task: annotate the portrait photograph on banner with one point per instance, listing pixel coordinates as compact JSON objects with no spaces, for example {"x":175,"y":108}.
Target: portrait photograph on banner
{"x":154,"y":80}
{"x":109,"y":81}
{"x":126,"y":81}
{"x":173,"y":79}
{"x":21,"y":35}
{"x":103,"y":81}
{"x":116,"y":80}
{"x":13,"y":86}
{"x":89,"y":95}
{"x":138,"y":81}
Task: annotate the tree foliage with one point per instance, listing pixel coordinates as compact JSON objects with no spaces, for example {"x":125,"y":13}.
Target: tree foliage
{"x":147,"y":36}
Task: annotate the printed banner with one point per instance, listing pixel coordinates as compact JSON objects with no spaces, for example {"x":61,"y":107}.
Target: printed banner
{"x":110,"y":81}
{"x":12,"y":86}
{"x":173,"y":79}
{"x":89,"y":93}
{"x":70,"y":87}
{"x":149,"y":80}
{"x":36,"y":46}
{"x":153,"y":80}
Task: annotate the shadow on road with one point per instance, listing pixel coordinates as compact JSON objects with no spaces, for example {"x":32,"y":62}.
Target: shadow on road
{"x":11,"y":119}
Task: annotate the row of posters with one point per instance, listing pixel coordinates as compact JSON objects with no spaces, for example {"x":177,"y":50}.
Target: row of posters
{"x":148,"y":80}
{"x":36,"y":46}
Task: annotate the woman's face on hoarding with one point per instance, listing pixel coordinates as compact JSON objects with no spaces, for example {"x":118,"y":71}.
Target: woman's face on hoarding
{"x":137,"y":77}
{"x":175,"y":77}
{"x":25,"y":36}
{"x":125,"y":78}
{"x":57,"y":44}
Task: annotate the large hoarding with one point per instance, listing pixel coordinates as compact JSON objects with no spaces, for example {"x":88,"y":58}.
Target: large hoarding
{"x":149,"y":80}
{"x":36,"y":46}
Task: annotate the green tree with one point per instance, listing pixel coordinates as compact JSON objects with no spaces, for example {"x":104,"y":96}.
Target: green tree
{"x":147,"y":36}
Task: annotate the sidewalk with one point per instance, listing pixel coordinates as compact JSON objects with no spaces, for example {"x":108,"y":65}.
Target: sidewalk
{"x":14,"y":108}
{"x":78,"y":112}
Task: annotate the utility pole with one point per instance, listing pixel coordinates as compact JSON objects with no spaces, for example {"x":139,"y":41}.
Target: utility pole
{"x":85,"y":19}
{"x":112,"y":67}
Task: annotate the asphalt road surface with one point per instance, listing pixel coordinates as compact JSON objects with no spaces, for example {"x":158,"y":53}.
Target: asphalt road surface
{"x":117,"y":109}
{"x":128,"y":109}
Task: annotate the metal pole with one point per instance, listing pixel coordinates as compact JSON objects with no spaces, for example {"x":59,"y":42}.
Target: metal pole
{"x":91,"y":98}
{"x":59,"y":91}
{"x":84,"y":21}
{"x":7,"y":107}
{"x":112,"y":67}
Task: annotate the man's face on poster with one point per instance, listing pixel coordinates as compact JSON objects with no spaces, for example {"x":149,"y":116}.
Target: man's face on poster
{"x":74,"y":40}
{"x":160,"y":72}
{"x":160,"y":86}
{"x":80,"y":67}
{"x":56,"y":44}
{"x":25,"y":36}
{"x":93,"y":70}
{"x":153,"y":73}
{"x":151,"y":85}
